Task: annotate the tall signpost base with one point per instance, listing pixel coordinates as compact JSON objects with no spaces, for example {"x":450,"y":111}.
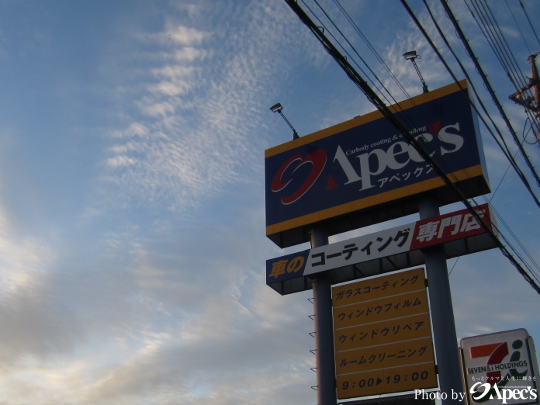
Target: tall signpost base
{"x":324,"y":339}
{"x":442,"y":313}
{"x":340,"y":197}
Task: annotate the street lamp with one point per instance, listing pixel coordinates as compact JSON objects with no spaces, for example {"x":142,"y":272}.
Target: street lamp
{"x":279,"y":109}
{"x":411,"y":55}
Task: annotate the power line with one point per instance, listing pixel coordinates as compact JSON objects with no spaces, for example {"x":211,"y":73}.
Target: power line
{"x":385,"y":111}
{"x":347,"y":53}
{"x":372,"y":49}
{"x":419,"y":25}
{"x":394,"y":102}
{"x":528,"y":19}
{"x":496,"y":40}
{"x":500,"y":141}
{"x":503,"y":249}
{"x":474,"y":59}
{"x":518,"y":27}
{"x":487,"y":23}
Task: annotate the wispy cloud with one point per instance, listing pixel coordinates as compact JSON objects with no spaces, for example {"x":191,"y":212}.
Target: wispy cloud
{"x":195,"y":121}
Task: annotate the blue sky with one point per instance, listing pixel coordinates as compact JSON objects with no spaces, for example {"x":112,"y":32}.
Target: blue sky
{"x":132,"y":234}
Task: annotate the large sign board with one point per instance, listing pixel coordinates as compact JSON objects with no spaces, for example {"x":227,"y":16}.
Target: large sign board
{"x":382,"y":335}
{"x":363,"y":171}
{"x":500,"y":368}
{"x":445,"y":229}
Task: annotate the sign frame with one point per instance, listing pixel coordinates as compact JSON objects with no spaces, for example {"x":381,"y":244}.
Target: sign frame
{"x":296,"y":268}
{"x":383,"y":337}
{"x":304,"y":186}
{"x":506,"y":362}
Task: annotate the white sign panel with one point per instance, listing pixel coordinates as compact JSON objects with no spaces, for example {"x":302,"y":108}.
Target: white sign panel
{"x":405,"y":238}
{"x":500,"y":368}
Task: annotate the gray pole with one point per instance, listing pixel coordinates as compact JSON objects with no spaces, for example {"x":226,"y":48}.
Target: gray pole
{"x":324,"y":329}
{"x":442,"y":313}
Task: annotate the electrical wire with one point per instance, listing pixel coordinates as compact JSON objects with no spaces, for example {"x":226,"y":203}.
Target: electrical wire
{"x":528,"y":19}
{"x":487,"y":23}
{"x":507,"y":254}
{"x":474,"y":59}
{"x":329,"y":48}
{"x":371,"y":48}
{"x":500,"y":140}
{"x":393,"y":102}
{"x":379,"y":104}
{"x":344,"y":50}
{"x":395,"y":105}
{"x":518,"y":27}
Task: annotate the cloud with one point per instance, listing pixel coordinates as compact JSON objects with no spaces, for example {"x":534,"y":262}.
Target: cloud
{"x":120,"y":161}
{"x":35,"y":322}
{"x":224,"y":343}
{"x":199,"y":108}
{"x":478,"y":310}
{"x":22,"y":259}
{"x":182,"y":35}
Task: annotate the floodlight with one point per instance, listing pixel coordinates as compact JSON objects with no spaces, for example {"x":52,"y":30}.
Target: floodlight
{"x":279,"y":109}
{"x":276,"y":107}
{"x":411,"y":55}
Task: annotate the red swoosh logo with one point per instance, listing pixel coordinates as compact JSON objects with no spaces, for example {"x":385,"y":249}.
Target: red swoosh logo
{"x":317,"y":159}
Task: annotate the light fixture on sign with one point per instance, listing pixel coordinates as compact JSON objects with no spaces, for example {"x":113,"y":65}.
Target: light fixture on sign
{"x":279,"y":109}
{"x":412,"y":55}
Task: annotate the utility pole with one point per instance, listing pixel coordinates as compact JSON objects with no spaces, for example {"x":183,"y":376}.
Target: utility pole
{"x":530,"y":102}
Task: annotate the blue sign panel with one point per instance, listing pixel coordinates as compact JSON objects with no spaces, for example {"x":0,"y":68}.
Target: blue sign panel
{"x":365,"y":162}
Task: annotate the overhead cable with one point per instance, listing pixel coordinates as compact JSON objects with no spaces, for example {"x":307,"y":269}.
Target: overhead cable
{"x":500,"y":141}
{"x":487,"y":23}
{"x":528,"y":19}
{"x":474,"y":59}
{"x":346,"y":52}
{"x":518,"y":27}
{"x":372,"y":49}
{"x":385,"y":111}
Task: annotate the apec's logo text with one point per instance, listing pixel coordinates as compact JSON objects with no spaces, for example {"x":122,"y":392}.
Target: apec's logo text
{"x":379,"y":164}
{"x":523,"y":394}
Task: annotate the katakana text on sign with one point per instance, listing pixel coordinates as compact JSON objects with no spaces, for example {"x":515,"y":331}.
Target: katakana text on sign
{"x":405,"y":238}
{"x":382,"y":335}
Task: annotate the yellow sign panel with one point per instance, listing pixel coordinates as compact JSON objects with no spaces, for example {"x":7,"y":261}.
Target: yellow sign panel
{"x":382,"y":335}
{"x":397,"y":306}
{"x":375,"y":382}
{"x":379,"y":287}
{"x":384,"y":356}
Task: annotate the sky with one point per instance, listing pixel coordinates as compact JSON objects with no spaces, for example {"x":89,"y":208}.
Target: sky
{"x":132,"y":218}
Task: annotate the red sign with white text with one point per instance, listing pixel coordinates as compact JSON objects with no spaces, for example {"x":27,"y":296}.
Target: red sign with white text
{"x":449,"y":227}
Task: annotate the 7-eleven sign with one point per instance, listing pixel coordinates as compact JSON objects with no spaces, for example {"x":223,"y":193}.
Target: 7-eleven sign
{"x":495,"y":353}
{"x":500,"y":368}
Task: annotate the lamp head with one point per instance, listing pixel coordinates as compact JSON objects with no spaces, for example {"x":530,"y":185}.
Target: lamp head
{"x":410,"y":55}
{"x":276,"y":108}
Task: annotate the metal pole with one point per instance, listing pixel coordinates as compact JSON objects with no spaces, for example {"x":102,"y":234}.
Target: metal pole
{"x":536,"y":88}
{"x":442,"y":313}
{"x":424,"y":85}
{"x":324,"y":331}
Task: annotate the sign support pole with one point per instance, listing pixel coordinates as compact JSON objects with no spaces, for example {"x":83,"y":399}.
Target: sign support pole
{"x":442,"y":313}
{"x":324,"y":335}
